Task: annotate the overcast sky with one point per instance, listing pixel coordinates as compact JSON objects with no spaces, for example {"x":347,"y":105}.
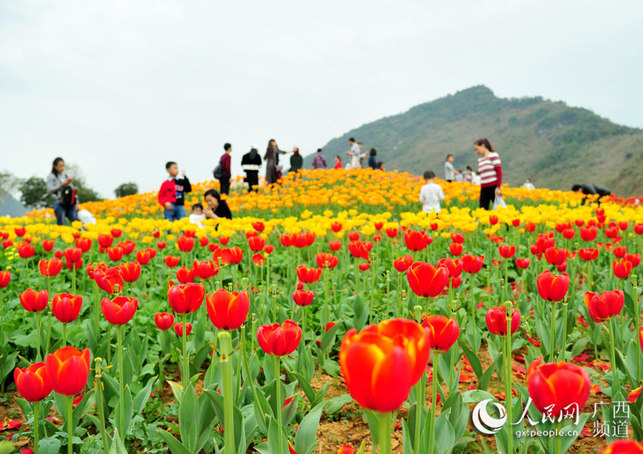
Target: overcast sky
{"x":119,"y":87}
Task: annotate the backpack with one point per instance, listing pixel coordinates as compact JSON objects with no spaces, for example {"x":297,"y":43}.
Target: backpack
{"x":218,"y":172}
{"x":68,"y":197}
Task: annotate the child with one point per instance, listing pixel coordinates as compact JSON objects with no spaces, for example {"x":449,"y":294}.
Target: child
{"x":172,"y":193}
{"x":338,"y":163}
{"x":431,"y":193}
{"x":197,"y":214}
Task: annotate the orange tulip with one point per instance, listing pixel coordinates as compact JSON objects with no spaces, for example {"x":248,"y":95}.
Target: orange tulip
{"x":381,"y":363}
{"x":68,"y":369}
{"x":557,"y":387}
{"x":228,"y":310}
{"x":33,"y":382}
{"x":426,"y":280}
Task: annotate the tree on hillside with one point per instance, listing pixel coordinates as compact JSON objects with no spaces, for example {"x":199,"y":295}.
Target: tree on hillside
{"x":34,"y":193}
{"x":83,"y":192}
{"x":126,"y":189}
{"x":9,"y":184}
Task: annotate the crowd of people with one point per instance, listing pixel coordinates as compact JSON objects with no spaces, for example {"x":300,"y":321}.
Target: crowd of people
{"x":172,"y":192}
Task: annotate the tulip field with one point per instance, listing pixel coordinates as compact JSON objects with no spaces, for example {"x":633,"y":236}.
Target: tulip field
{"x":330,"y":315}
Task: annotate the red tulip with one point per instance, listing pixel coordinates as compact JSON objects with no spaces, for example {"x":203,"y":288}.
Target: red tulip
{"x":186,"y":298}
{"x":364,"y":266}
{"x":336,"y":227}
{"x":568,"y":234}
{"x":454,"y":267}
{"x":256,"y":243}
{"x":416,"y":240}
{"x":84,"y":244}
{"x":391,"y":232}
{"x":552,"y":287}
{"x":455,"y":249}
{"x":493,"y":219}
{"x":622,"y":268}
{"x":522,"y":263}
{"x":381,"y":363}
{"x":172,"y":261}
{"x":178,"y":329}
{"x":634,"y":395}
{"x":303,"y":297}
{"x":619,"y":251}
{"x":497,"y":320}
{"x":66,"y":307}
{"x":205,"y":269}
{"x":507,"y":251}
{"x":555,"y":256}
{"x":258,"y":259}
{"x":308,"y":275}
{"x":25,"y":250}
{"x":557,"y":388}
{"x":130,"y":271}
{"x":588,"y":233}
{"x":360,"y":249}
{"x":33,"y":382}
{"x":326,"y":260}
{"x":604,"y":306}
{"x":34,"y":301}
{"x":634,"y":259}
{"x":47,"y":245}
{"x":51,"y":267}
{"x":144,"y":256}
{"x":402,"y":264}
{"x":638,"y":228}
{"x":115,"y":253}
{"x":624,"y":447}
{"x":472,"y":264}
{"x":444,"y":331}
{"x":588,"y":254}
{"x":258,"y":226}
{"x":120,"y":310}
{"x":426,"y":280}
{"x":228,"y":310}
{"x":279,"y":340}
{"x":185,"y":243}
{"x":163,"y":320}
{"x":457,"y":238}
{"x":68,"y":369}
{"x":185,"y":275}
{"x":335,"y":245}
{"x":109,"y":280}
{"x":116,"y":233}
{"x":161,"y":245}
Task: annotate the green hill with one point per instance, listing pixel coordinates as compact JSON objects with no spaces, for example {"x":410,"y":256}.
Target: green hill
{"x":553,"y":144}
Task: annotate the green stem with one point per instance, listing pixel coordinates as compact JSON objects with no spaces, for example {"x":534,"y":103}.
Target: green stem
{"x":473,"y":314}
{"x":225,"y":345}
{"x":558,"y":441}
{"x":610,"y":327}
{"x":384,"y":432}
{"x":508,"y":394}
{"x":418,"y":413}
{"x":64,"y":334}
{"x":185,"y":374}
{"x":38,"y":341}
{"x":48,"y":334}
{"x":36,"y":421}
{"x":98,"y":386}
{"x":564,"y":344}
{"x":250,"y":381}
{"x":552,"y":339}
{"x":278,"y":395}
{"x":121,"y":378}
{"x":434,"y":390}
{"x":70,"y":424}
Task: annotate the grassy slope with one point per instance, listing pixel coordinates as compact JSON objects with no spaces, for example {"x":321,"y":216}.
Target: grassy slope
{"x":554,"y":144}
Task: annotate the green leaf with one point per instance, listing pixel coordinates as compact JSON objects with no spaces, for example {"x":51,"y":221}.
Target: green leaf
{"x":142,"y":396}
{"x":307,"y":432}
{"x":476,"y":395}
{"x":117,"y":446}
{"x":336,"y":403}
{"x":273,"y":437}
{"x":173,"y":444}
{"x":329,"y":337}
{"x":48,"y":446}
{"x":188,"y":412}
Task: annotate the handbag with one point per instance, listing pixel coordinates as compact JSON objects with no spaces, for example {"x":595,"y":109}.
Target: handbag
{"x":499,"y":202}
{"x":67,"y":197}
{"x":218,"y":172}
